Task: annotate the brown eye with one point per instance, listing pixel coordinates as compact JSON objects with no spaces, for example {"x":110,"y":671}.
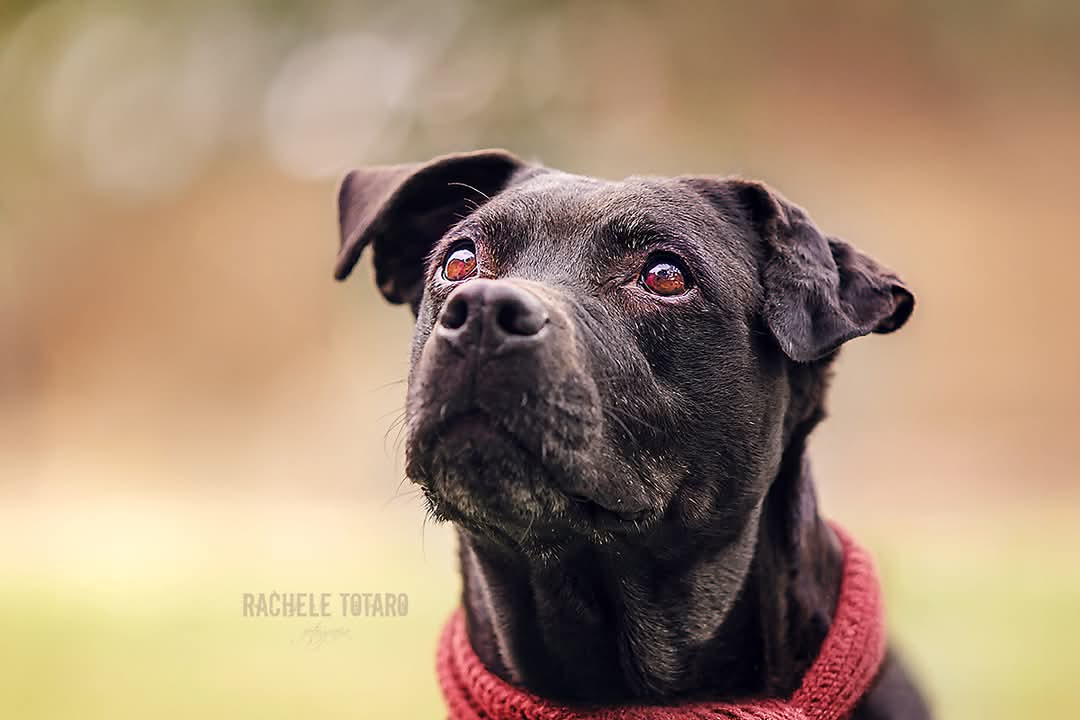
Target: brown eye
{"x":460,"y":264}
{"x":665,"y":277}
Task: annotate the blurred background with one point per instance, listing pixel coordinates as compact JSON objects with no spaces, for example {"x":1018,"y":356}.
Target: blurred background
{"x":191,"y":409}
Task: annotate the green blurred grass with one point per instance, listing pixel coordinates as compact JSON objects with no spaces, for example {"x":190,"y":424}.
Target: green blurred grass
{"x":986,"y":614}
{"x":133,"y":617}
{"x":69,"y":656}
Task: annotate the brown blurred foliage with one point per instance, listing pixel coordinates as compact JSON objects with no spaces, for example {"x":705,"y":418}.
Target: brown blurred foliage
{"x":168,"y":225}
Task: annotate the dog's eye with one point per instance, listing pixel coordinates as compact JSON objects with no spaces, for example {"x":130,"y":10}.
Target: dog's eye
{"x":665,"y":276}
{"x":460,"y":263}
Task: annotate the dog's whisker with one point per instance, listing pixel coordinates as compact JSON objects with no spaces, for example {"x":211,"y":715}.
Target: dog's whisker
{"x":404,"y":479}
{"x":396,"y":425}
{"x":388,"y":413}
{"x":614,"y":416}
{"x":467,"y":186}
{"x":401,"y":496}
{"x":400,"y":436}
{"x":528,"y":528}
{"x":402,"y":381}
{"x":397,"y":421}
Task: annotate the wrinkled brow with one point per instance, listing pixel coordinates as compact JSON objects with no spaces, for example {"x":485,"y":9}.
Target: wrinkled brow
{"x":492,"y":223}
{"x":638,"y":231}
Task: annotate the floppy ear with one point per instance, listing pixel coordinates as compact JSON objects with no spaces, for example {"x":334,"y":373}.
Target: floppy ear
{"x":402,"y":210}
{"x":820,"y":292}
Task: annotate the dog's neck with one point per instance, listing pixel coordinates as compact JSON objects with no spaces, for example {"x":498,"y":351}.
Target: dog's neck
{"x":607,"y":625}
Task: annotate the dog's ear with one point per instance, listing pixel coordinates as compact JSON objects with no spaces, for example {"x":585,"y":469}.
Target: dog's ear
{"x":820,"y":292}
{"x":402,"y":210}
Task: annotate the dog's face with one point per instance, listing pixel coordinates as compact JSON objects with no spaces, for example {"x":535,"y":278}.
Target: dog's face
{"x":604,"y":361}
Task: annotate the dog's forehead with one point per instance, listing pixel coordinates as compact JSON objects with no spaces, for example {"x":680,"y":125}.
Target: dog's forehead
{"x":559,"y":200}
{"x":548,"y":216}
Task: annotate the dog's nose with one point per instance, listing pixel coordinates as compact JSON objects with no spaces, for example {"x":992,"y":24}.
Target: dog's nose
{"x":497,"y":309}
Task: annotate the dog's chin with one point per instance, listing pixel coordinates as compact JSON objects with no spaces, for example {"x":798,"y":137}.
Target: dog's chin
{"x":483,"y":478}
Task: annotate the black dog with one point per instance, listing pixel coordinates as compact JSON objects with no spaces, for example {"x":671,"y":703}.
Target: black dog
{"x":611,"y":389}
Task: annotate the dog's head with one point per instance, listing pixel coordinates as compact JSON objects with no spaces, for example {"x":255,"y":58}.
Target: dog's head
{"x":605,"y":360}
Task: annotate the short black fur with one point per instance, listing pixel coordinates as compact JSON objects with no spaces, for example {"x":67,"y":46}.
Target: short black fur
{"x":628,"y":473}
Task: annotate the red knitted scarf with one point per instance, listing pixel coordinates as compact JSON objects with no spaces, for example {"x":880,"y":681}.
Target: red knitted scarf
{"x":840,"y":676}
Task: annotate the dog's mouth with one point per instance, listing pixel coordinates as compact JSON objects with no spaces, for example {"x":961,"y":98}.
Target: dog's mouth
{"x":607,"y":517}
{"x":477,"y":471}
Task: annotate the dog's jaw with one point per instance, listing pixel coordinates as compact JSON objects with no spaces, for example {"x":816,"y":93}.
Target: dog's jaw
{"x":618,"y":624}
